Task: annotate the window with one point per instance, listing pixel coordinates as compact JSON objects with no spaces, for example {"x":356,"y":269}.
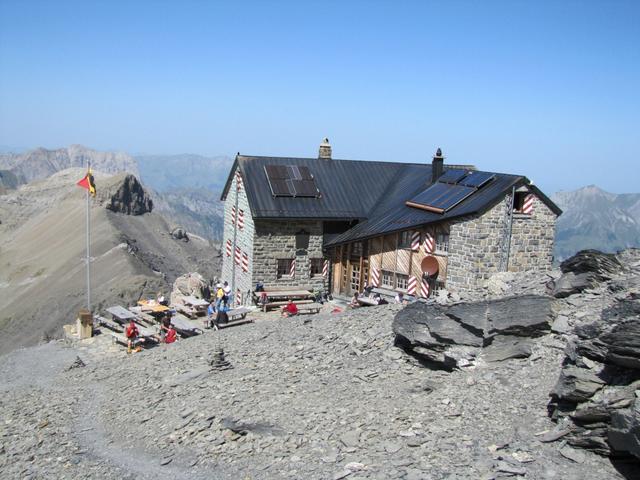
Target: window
{"x":518,"y":201}
{"x":404,"y":241}
{"x":284,"y":267}
{"x":355,"y":278}
{"x":317,"y":265}
{"x":387,"y":279}
{"x":402,"y":281}
{"x":442,"y":242}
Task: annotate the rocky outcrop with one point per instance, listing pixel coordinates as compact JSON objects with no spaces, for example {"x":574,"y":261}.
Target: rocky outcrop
{"x":8,"y":181}
{"x":584,"y":270}
{"x":597,"y":396}
{"x":596,"y":400}
{"x":452,"y":336}
{"x":125,"y":194}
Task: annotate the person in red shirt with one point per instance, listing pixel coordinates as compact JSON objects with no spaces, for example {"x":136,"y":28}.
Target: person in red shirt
{"x":290,"y":309}
{"x":132,"y":333}
{"x":171,"y":335}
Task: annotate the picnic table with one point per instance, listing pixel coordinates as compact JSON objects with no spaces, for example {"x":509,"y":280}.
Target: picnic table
{"x":195,"y":302}
{"x":121,"y":314}
{"x":184,"y":326}
{"x":152,"y":306}
{"x":277,"y":298}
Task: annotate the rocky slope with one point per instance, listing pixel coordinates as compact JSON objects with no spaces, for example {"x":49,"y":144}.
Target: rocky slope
{"x":314,"y":397}
{"x":41,"y":163}
{"x":42,"y":250}
{"x":593,"y":218}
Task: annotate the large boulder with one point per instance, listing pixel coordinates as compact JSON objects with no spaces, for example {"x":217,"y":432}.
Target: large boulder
{"x":451,"y":336}
{"x":585,"y":269}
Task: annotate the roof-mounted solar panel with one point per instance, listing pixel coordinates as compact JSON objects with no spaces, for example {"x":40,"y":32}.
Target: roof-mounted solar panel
{"x":291,"y":181}
{"x":476,"y":179}
{"x":440,"y":197}
{"x":452,"y":176}
{"x":305,"y":188}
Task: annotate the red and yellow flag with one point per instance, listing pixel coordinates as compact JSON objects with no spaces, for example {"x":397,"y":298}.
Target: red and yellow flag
{"x":88,"y":183}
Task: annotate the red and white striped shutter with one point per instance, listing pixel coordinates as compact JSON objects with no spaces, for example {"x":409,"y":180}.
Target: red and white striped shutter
{"x":245,"y":262}
{"x":424,"y":288}
{"x":375,"y":277}
{"x":229,"y":248}
{"x":239,"y":183}
{"x":413,"y":282}
{"x":429,"y":243}
{"x":325,"y":269}
{"x":527,"y":207}
{"x":238,"y":255}
{"x":241,"y":219}
{"x":233,"y":215}
{"x":292,"y":270}
{"x":415,"y":241}
{"x":238,"y":297}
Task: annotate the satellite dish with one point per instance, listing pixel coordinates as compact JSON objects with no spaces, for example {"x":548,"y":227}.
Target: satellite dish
{"x":429,"y":266}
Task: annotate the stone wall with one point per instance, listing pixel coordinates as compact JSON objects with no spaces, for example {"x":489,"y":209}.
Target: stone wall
{"x":276,"y":239}
{"x":475,"y":247}
{"x":476,"y":244}
{"x":532,"y":239}
{"x":243,"y":240}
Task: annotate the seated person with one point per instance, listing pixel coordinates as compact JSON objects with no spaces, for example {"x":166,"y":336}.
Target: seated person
{"x":399,"y":298}
{"x":164,"y":326}
{"x":171,"y":335}
{"x":366,"y":291}
{"x":211,"y":311}
{"x":132,"y":334}
{"x":290,"y":309}
{"x":354,"y":301}
{"x":221,"y":316}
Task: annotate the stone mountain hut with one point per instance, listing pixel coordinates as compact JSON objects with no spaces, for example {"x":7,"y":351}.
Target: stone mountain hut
{"x":407,"y":227}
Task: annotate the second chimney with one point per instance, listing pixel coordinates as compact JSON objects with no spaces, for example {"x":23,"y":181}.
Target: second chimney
{"x":325,"y":150}
{"x":437,"y":166}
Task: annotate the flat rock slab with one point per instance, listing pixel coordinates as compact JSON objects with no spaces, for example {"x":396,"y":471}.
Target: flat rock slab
{"x":451,"y":336}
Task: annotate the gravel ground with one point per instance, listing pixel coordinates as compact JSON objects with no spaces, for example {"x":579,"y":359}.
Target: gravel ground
{"x":324,"y":396}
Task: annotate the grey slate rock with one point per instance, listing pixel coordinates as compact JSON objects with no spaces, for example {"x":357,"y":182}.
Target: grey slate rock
{"x":452,"y":336}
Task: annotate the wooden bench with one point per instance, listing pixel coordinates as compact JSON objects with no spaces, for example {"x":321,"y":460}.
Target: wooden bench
{"x":110,"y":324}
{"x":241,"y":321}
{"x":238,"y":313}
{"x":309,"y":308}
{"x":269,"y":305}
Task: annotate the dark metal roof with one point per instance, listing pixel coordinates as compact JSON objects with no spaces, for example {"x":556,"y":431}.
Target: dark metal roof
{"x":401,"y":217}
{"x":349,"y":189}
{"x":373,"y":192}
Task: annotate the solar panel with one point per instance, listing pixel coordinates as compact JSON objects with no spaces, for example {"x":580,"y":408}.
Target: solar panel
{"x":476,"y":179}
{"x":452,"y":176}
{"x":305,"y":188}
{"x":291,"y":181}
{"x":280,"y":188}
{"x":441,"y":197}
{"x":277,"y":172}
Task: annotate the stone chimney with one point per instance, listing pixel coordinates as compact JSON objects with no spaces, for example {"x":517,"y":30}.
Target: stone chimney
{"x":437,"y":166}
{"x":325,"y":150}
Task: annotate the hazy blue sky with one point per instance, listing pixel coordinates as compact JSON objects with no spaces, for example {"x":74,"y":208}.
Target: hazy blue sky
{"x":546,"y":89}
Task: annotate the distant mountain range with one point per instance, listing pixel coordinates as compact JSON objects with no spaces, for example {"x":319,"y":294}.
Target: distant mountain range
{"x":186,"y":190}
{"x":593,"y":218}
{"x":41,"y":163}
